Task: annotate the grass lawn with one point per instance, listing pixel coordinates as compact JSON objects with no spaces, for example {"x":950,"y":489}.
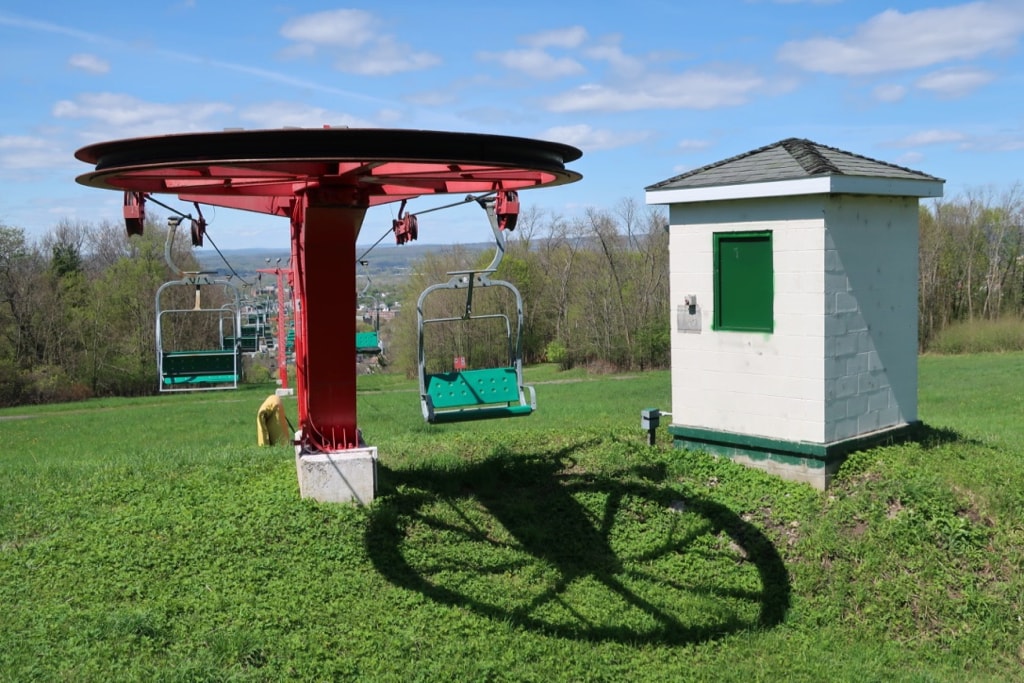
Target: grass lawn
{"x":152,"y":540}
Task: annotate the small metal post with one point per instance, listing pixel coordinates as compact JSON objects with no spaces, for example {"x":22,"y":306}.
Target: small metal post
{"x":649,"y":420}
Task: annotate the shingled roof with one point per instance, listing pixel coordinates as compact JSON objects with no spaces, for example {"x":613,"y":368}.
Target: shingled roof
{"x":789,"y":159}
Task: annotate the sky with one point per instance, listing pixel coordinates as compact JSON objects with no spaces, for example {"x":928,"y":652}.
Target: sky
{"x":647,"y":89}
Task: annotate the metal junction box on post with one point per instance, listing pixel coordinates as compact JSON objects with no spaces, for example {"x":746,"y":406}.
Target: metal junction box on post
{"x":650,"y":418}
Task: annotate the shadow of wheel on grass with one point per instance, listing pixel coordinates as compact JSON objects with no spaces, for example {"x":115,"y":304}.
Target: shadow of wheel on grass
{"x":533,"y":541}
{"x":931,"y":436}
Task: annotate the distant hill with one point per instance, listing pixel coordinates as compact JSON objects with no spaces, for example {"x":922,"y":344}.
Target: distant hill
{"x":385,"y":260}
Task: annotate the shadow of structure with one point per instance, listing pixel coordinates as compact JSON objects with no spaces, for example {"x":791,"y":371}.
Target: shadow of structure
{"x":531,"y":540}
{"x":930,"y":437}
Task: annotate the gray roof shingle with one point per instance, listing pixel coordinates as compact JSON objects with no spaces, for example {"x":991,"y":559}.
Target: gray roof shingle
{"x":789,"y":159}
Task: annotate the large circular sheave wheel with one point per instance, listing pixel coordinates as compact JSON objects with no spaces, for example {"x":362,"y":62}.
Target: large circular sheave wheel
{"x":383,"y":164}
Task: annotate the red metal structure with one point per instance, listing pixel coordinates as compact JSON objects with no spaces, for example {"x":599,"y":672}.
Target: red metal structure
{"x":323,"y":181}
{"x":282,"y":353}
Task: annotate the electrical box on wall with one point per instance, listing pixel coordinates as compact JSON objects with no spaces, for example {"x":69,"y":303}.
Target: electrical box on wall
{"x":688,"y":316}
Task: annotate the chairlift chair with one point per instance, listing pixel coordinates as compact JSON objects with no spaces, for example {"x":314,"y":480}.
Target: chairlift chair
{"x":478,"y":393}
{"x":198,"y":369}
{"x":367,"y":343}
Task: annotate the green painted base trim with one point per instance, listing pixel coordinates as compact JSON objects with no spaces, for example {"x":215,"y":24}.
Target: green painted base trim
{"x":814,"y":463}
{"x":805,"y":449}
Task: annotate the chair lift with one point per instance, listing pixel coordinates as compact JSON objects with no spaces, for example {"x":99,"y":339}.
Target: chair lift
{"x":368,"y":343}
{"x":252,"y":330}
{"x":477,"y":394}
{"x":192,"y":369}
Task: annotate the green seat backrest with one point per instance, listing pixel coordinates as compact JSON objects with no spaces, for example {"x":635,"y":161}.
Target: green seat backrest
{"x":182,"y":363}
{"x":247,"y":343}
{"x":473,"y":388}
{"x":367,"y":341}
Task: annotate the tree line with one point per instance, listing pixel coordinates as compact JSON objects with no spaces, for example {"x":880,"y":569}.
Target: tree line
{"x":971,"y":260}
{"x":77,"y":311}
{"x":77,"y":306}
{"x":594,"y":289}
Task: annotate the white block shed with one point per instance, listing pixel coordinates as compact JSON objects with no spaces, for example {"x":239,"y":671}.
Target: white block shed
{"x":794,"y":295}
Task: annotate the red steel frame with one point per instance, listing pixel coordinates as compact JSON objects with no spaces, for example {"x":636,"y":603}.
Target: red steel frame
{"x":282,"y":328}
{"x":324,"y":180}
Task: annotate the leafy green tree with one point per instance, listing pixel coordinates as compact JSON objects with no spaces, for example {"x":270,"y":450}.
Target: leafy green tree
{"x":20,"y":271}
{"x":119,"y":332}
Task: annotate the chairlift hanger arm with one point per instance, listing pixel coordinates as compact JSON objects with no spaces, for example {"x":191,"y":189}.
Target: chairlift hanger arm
{"x":406,"y":228}
{"x":198,"y":234}
{"x":366,"y":274}
{"x":502,"y":213}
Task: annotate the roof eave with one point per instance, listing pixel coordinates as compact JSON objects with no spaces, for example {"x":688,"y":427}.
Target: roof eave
{"x":825,"y":184}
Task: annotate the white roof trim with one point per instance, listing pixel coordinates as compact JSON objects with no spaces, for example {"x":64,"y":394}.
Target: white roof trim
{"x":830,"y":184}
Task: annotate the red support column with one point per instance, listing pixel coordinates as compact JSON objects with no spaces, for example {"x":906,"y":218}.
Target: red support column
{"x":282,"y":331}
{"x":324,"y":267}
{"x":282,"y":327}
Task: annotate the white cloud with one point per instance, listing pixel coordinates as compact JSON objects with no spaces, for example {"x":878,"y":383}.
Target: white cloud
{"x":1012,"y":142}
{"x":128,"y":116}
{"x":389,"y":116}
{"x":90,"y":63}
{"x":693,"y":145}
{"x":47,"y":27}
{"x":910,"y":158}
{"x":610,"y":51}
{"x":386,"y":57}
{"x":347,"y":28}
{"x":930,"y":137}
{"x":493,"y":115}
{"x":535,"y":63}
{"x":591,"y":139}
{"x":352,"y":37}
{"x":292,"y":115}
{"x":570,"y":37}
{"x":889,"y":92}
{"x":953,"y":83}
{"x":893,"y":41}
{"x":432,"y":98}
{"x":689,"y":90}
{"x":22,"y":152}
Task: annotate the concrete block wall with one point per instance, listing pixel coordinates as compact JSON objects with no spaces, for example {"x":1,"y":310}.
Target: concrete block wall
{"x":871,"y":246}
{"x":769,"y":385}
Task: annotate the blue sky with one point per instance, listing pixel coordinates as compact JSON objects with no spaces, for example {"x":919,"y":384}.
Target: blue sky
{"x":647,"y":89}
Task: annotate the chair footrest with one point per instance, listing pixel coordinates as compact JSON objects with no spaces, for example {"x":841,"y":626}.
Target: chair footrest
{"x":199,"y":379}
{"x":480,"y":414}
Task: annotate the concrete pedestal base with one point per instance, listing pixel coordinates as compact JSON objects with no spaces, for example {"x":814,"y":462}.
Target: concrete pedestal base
{"x":339,"y":477}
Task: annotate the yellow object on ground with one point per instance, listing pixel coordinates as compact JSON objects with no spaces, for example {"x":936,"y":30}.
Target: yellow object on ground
{"x":271,"y":423}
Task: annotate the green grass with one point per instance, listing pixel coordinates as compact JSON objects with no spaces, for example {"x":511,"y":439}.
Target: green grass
{"x":980,"y":336}
{"x":152,"y":540}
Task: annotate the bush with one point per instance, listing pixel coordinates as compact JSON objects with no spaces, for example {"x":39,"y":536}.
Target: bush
{"x":13,"y":384}
{"x":979,"y":336}
{"x":51,"y":384}
{"x":555,"y":352}
{"x":257,"y":374}
{"x":259,"y":369}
